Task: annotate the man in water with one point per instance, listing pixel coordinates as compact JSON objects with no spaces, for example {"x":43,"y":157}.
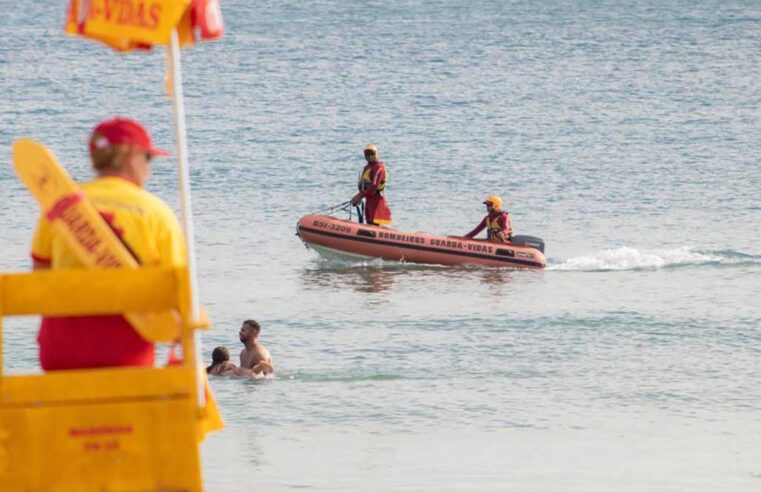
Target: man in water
{"x":254,"y":355}
{"x":496,"y":222}
{"x":120,"y":151}
{"x":372,"y":182}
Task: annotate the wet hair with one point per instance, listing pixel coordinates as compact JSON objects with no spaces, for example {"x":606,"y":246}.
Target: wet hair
{"x":220,"y":355}
{"x":253,"y":324}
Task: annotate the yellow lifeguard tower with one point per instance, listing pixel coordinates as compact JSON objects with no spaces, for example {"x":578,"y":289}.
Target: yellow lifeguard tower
{"x":115,"y":429}
{"x":120,"y":429}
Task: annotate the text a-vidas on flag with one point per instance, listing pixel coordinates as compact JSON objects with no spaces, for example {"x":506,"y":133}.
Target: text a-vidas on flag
{"x":126,"y":24}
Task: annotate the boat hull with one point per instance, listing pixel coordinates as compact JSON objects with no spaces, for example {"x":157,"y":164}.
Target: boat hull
{"x":330,"y":236}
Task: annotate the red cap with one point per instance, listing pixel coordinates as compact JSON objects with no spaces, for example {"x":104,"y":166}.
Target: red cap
{"x":123,"y":131}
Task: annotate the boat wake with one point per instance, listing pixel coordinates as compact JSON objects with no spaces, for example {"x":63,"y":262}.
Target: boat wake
{"x":626,"y":258}
{"x":342,"y":264}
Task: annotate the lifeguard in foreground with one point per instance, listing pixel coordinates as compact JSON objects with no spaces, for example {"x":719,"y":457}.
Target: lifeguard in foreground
{"x":100,"y":424}
{"x":105,"y":424}
{"x":121,"y":151}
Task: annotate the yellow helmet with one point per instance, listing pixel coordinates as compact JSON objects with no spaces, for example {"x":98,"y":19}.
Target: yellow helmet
{"x":372,"y":148}
{"x":495,"y":201}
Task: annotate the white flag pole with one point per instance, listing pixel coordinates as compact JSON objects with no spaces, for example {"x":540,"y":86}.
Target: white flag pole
{"x":183,"y":177}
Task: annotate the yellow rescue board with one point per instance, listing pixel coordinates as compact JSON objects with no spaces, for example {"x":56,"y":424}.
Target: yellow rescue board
{"x":85,"y":231}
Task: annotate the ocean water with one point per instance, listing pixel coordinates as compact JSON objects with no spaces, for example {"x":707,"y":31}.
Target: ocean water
{"x":626,"y":134}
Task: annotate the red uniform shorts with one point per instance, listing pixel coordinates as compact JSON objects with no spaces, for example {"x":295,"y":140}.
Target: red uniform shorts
{"x":82,"y":342}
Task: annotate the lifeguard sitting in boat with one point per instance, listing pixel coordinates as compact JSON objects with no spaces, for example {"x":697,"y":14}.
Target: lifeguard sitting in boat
{"x":496,"y":222}
{"x":372,"y":182}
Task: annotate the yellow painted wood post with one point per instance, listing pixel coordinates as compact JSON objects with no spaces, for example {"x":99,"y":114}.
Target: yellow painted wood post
{"x":2,"y":346}
{"x":110,"y":429}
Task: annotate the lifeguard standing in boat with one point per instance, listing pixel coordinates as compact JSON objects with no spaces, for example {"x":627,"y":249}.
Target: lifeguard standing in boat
{"x":372,"y":183}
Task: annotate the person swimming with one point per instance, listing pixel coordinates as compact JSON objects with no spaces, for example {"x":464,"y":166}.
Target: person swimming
{"x":220,"y":362}
{"x":221,"y":366}
{"x":254,"y":356}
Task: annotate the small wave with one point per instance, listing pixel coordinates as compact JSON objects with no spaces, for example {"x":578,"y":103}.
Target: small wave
{"x":347,"y":264}
{"x":626,"y":258}
{"x":342,"y":378}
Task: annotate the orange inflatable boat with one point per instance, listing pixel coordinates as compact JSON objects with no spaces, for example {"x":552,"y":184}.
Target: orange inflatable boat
{"x":333,"y":237}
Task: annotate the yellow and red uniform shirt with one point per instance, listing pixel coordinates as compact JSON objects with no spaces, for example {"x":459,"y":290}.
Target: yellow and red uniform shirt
{"x":497,"y":221}
{"x":143,"y":221}
{"x":148,"y":227}
{"x":372,"y":182}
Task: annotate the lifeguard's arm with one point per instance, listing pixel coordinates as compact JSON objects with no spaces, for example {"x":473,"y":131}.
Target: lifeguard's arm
{"x":504,"y":233}
{"x":357,"y":198}
{"x":480,"y":227}
{"x":360,"y":194}
{"x":372,"y":189}
{"x":42,"y":245}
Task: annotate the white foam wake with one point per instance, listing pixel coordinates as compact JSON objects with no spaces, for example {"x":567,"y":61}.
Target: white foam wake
{"x":626,"y":258}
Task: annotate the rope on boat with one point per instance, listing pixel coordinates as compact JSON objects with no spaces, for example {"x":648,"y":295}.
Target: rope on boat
{"x":346,"y":206}
{"x":349,"y":208}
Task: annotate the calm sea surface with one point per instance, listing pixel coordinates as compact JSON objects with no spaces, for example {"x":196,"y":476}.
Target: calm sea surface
{"x":626,"y":134}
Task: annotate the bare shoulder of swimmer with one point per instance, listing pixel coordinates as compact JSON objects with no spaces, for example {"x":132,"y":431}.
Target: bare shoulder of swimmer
{"x":262,"y":354}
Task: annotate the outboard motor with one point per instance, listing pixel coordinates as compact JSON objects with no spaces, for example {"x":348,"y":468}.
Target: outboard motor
{"x":528,"y":241}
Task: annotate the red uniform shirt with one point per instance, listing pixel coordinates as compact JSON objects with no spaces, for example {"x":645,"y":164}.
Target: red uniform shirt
{"x":373,"y":179}
{"x":372,"y":182}
{"x":503,"y":224}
